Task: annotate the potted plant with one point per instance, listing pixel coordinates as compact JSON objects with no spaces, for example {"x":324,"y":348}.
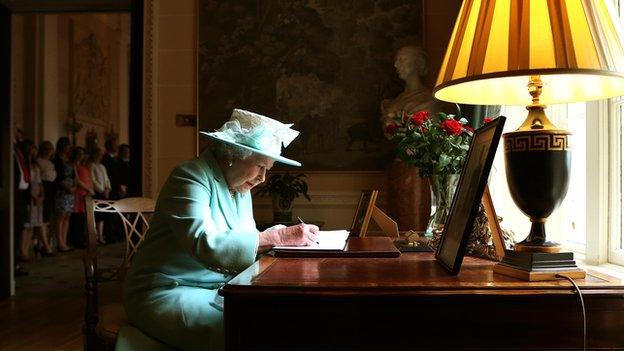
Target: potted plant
{"x":283,"y":188}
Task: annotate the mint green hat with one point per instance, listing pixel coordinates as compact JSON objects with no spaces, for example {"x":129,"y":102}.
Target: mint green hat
{"x":256,"y":133}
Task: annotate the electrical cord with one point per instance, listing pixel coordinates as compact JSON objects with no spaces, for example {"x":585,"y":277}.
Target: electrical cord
{"x":580,"y":294}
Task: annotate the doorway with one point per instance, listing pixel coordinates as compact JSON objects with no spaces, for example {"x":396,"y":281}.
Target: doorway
{"x":70,"y":77}
{"x":67,"y":69}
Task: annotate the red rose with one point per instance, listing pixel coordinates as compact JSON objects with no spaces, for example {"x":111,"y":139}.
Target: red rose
{"x":419,"y":117}
{"x":390,"y":128}
{"x":469,"y":129}
{"x":451,"y":126}
{"x":487,"y":120}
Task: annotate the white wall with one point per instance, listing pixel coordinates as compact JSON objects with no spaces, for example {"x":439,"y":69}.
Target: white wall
{"x":41,"y":73}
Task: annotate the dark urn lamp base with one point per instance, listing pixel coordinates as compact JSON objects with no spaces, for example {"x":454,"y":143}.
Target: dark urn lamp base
{"x":538,"y":161}
{"x":547,"y":247}
{"x":539,"y":266}
{"x":536,"y":241}
{"x":538,"y":171}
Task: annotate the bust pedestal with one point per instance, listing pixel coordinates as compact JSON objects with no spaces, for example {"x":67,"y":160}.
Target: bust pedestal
{"x":409,"y":198}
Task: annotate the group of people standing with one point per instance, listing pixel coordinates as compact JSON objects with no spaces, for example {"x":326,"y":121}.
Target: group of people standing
{"x":51,"y":185}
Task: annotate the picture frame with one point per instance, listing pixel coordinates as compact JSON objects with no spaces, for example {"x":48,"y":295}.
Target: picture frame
{"x":363,"y":213}
{"x":472,"y":181}
{"x":497,"y":233}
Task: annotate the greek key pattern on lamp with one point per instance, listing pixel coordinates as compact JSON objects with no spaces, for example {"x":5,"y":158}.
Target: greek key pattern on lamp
{"x":541,"y":142}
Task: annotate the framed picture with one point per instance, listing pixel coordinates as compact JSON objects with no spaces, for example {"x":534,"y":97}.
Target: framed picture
{"x":495,"y":229}
{"x":363,"y":213}
{"x":472,"y":181}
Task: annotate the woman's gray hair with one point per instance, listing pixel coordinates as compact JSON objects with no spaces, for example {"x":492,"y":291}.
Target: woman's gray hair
{"x":231,"y":152}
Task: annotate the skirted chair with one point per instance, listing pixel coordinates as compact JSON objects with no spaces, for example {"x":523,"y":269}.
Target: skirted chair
{"x":103,"y":324}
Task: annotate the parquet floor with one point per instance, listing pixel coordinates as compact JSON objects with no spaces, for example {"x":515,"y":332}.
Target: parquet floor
{"x":47,"y":310}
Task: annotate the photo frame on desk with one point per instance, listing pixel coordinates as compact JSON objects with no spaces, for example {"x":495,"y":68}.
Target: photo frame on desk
{"x":465,"y":205}
{"x":363,"y":213}
{"x":366,"y":210}
{"x":497,"y":233}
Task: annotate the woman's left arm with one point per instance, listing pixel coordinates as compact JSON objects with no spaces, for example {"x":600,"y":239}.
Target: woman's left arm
{"x":185,"y":202}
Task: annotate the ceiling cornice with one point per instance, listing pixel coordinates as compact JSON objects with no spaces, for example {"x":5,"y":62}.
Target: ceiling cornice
{"x":21,"y":6}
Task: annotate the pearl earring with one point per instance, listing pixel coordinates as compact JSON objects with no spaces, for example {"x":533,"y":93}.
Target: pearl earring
{"x":230,"y":164}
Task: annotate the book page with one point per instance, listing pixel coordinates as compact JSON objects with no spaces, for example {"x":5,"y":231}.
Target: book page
{"x":326,"y":240}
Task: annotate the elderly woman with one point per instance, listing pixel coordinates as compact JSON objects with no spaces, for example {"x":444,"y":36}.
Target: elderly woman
{"x":203,"y":233}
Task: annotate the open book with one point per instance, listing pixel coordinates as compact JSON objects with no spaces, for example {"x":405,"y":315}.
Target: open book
{"x":327,"y":240}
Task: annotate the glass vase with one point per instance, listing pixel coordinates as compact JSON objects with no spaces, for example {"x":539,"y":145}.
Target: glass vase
{"x":442,"y":190}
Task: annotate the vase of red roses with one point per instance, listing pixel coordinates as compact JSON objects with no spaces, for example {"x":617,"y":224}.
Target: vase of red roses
{"x":437,"y":145}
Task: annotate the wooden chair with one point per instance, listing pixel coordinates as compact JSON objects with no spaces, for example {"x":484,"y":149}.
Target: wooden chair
{"x":102,"y":323}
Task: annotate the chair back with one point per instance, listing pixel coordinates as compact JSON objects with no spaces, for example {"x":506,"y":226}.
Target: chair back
{"x":134,"y":213}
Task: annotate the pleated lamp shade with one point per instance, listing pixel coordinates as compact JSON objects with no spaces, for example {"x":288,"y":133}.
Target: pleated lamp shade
{"x":574,"y":45}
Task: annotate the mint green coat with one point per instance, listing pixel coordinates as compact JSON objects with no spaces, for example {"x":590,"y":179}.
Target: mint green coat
{"x":199,"y":238}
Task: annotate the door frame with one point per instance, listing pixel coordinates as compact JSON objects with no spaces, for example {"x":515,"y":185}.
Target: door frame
{"x":6,"y":150}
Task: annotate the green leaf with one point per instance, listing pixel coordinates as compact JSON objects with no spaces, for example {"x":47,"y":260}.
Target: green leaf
{"x":444,"y":160}
{"x":284,"y":185}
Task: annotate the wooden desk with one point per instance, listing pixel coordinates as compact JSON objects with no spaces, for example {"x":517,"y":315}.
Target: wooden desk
{"x":410,"y":303}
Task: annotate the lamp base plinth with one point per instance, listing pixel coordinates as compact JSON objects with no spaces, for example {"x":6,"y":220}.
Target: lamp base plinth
{"x":538,"y":266}
{"x":547,"y":247}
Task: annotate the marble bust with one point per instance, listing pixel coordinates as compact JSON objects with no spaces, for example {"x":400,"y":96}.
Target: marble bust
{"x":411,"y":66}
{"x":412,"y":207}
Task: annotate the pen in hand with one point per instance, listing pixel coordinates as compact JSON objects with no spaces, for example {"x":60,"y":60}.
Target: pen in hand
{"x":302,"y":222}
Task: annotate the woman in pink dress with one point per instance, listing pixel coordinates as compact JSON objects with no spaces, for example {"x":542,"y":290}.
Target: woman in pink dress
{"x":84,"y":186}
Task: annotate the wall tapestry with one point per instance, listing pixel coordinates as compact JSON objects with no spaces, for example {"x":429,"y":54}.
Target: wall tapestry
{"x":323,"y":65}
{"x":94,"y":66}
{"x":91,"y":75}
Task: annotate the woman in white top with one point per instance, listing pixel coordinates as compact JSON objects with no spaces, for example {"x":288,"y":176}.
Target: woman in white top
{"x":48,"y":176}
{"x":35,"y":207}
{"x":101,"y":185}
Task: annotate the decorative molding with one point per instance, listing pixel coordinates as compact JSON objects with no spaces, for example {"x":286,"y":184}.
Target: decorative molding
{"x":46,"y":6}
{"x":544,"y":141}
{"x":150,"y":98}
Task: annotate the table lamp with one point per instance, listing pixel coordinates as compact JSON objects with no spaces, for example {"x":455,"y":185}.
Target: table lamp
{"x":535,"y":52}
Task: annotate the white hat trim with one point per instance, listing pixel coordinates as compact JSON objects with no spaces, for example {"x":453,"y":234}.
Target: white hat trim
{"x":257,"y":132}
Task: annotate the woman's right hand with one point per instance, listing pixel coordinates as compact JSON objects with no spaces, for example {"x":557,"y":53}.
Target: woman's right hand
{"x":297,"y":235}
